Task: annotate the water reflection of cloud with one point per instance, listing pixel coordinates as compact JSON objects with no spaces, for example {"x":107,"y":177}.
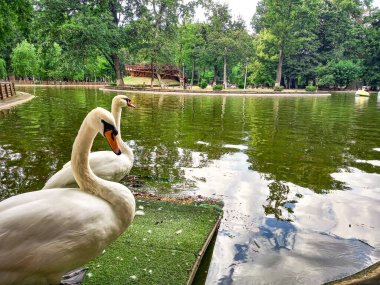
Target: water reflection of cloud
{"x":318,"y":246}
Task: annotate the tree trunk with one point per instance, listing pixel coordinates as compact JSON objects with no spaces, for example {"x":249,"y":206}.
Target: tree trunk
{"x":225,"y":69}
{"x":116,"y":66}
{"x":215,"y":74}
{"x":183,"y":76}
{"x":159,"y":79}
{"x":279,"y":68}
{"x":152,"y":77}
{"x":192,"y":74}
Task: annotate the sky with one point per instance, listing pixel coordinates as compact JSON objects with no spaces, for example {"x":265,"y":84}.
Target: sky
{"x":246,"y":8}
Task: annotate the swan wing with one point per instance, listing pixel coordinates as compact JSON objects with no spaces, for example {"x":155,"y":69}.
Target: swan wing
{"x":53,"y":230}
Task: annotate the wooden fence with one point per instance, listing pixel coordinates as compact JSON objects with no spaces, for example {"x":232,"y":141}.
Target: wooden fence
{"x":7,"y":89}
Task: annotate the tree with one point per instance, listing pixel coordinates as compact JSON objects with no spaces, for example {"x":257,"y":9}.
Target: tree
{"x":263,"y":64}
{"x":3,"y":70}
{"x":292,"y":23}
{"x":24,"y":60}
{"x":50,"y":58}
{"x":371,"y":59}
{"x":87,"y":26}
{"x":338,"y":74}
{"x":15,"y":19}
{"x":159,"y":23}
{"x":345,"y":71}
{"x":278,"y":17}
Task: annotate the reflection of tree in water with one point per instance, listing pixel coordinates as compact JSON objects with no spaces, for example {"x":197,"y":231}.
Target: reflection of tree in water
{"x":278,"y":201}
{"x":299,"y":140}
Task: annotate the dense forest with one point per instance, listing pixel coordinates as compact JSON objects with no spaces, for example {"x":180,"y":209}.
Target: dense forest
{"x":290,"y":43}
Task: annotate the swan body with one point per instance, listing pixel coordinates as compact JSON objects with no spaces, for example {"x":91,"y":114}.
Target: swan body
{"x":44,"y":234}
{"x":104,"y":164}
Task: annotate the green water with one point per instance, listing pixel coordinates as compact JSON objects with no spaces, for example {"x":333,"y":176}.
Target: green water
{"x":293,"y":173}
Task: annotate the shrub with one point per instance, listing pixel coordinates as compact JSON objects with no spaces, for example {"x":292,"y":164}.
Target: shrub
{"x":311,"y":88}
{"x":203,"y":84}
{"x":278,"y":88}
{"x":241,"y":85}
{"x":217,"y":87}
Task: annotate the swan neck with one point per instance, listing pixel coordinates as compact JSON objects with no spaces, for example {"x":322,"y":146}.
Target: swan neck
{"x":80,"y":157}
{"x":122,"y":201}
{"x":125,"y":149}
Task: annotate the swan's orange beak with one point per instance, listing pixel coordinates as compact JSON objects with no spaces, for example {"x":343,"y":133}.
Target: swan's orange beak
{"x":129,"y":104}
{"x":111,"y":139}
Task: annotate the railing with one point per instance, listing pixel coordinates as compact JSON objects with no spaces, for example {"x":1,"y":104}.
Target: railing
{"x":7,"y":89}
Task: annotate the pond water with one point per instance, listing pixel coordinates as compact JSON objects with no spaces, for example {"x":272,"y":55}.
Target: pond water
{"x":299,"y":177}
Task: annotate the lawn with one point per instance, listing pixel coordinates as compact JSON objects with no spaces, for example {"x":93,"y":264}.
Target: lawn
{"x":160,"y":247}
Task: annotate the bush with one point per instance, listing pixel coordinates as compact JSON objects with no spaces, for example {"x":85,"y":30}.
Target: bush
{"x":217,"y":87}
{"x":203,"y":84}
{"x":241,"y":85}
{"x":311,"y":88}
{"x":278,"y":88}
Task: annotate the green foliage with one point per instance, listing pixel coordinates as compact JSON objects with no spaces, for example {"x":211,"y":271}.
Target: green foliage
{"x":340,"y":73}
{"x":311,"y":88}
{"x":24,"y":60}
{"x":3,"y":70}
{"x":15,"y":20}
{"x":278,"y":88}
{"x":203,"y":84}
{"x":50,"y":60}
{"x":327,"y":80}
{"x":217,"y":87}
{"x":263,"y":67}
{"x":345,"y":71}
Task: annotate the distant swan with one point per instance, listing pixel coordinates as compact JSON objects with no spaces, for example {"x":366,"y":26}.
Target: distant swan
{"x":104,"y":164}
{"x":44,"y":234}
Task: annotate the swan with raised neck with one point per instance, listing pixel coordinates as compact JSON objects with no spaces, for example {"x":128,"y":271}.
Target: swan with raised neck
{"x":103,"y":163}
{"x":44,"y":234}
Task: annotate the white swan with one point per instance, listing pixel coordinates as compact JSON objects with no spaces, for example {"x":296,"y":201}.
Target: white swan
{"x":44,"y":234}
{"x":104,"y":164}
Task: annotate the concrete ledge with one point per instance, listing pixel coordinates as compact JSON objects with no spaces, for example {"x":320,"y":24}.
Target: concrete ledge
{"x":221,"y":93}
{"x":20,"y":98}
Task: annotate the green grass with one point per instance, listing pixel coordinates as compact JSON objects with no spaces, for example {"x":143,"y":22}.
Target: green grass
{"x":158,"y":248}
{"x":140,"y":81}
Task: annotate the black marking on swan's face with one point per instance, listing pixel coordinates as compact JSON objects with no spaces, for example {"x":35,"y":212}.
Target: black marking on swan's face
{"x":109,"y":127}
{"x":129,"y":102}
{"x":110,"y":134}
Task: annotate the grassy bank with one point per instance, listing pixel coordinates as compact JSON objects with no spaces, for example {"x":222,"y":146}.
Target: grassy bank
{"x":160,"y":247}
{"x":145,"y":81}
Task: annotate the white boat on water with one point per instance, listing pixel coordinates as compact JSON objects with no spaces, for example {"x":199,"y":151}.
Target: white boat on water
{"x":362,"y":92}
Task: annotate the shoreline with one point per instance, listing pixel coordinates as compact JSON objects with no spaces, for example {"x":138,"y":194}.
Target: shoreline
{"x":229,"y":93}
{"x":11,"y":102}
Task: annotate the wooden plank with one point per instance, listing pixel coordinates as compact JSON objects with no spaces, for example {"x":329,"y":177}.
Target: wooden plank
{"x":1,"y":92}
{"x":14,"y":89}
{"x":8,"y":88}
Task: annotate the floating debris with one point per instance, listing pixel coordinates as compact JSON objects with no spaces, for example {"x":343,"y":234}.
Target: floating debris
{"x":178,"y":232}
{"x":140,"y":213}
